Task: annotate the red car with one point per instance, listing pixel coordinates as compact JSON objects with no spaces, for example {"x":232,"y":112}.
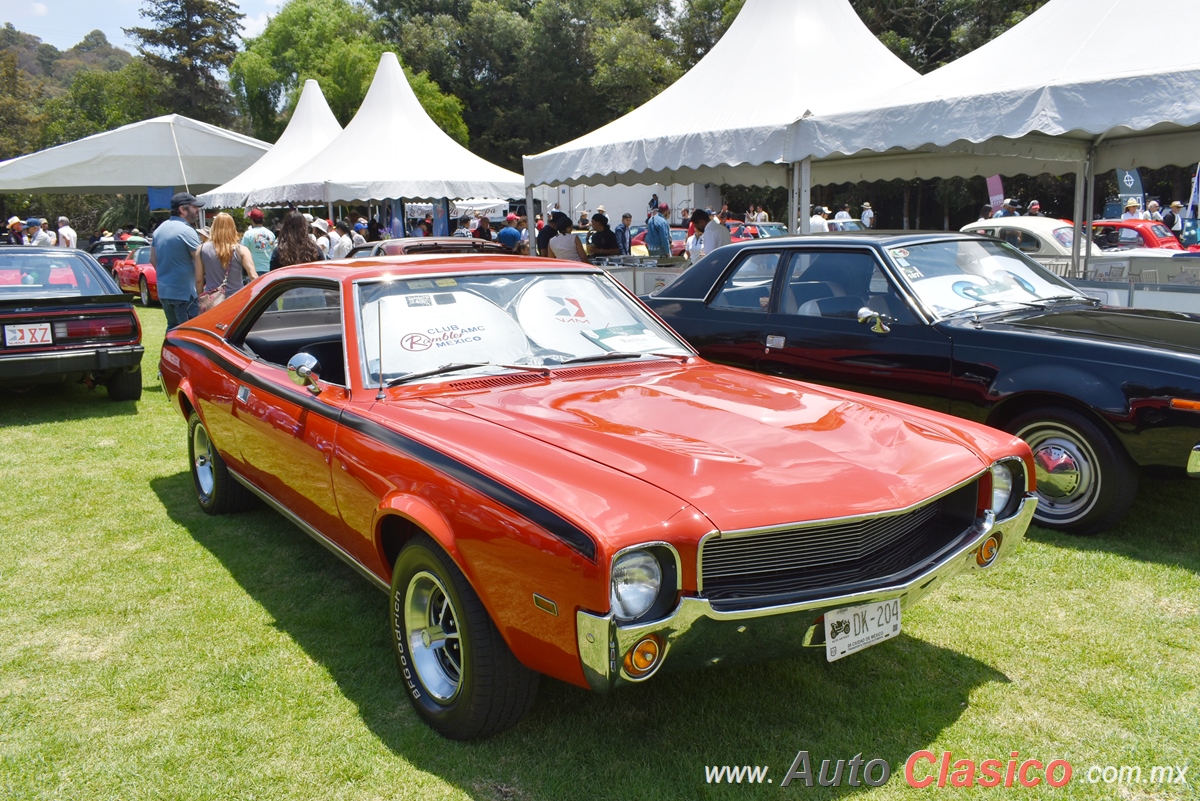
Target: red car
{"x":679,"y":237}
{"x":1124,"y":234}
{"x":739,"y":232}
{"x":545,"y":479}
{"x":110,"y":251}
{"x":135,"y":273}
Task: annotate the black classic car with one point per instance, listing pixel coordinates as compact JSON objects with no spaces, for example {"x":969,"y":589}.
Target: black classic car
{"x":64,"y":320}
{"x":968,"y":326}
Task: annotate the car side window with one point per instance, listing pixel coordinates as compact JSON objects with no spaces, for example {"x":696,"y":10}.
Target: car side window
{"x":748,"y":285}
{"x":1130,"y":238}
{"x":1021,"y":240}
{"x":839,"y":284}
{"x":301,"y":319}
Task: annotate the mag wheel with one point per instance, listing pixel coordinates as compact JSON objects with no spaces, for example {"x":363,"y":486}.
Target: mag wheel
{"x":216,"y":491}
{"x":460,"y":675}
{"x":144,"y":291}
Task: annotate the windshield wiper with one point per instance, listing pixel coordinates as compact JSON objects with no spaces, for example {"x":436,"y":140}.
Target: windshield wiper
{"x":1070,"y":298}
{"x":996,"y":302}
{"x":454,"y":367}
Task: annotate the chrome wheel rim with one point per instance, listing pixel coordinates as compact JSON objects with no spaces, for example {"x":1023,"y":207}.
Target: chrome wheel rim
{"x":202,"y":459}
{"x":431,"y":625}
{"x":145,"y":290}
{"x":1068,"y":476}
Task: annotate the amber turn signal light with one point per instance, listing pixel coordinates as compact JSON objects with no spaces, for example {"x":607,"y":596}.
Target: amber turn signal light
{"x":643,"y":657}
{"x":1186,"y":405}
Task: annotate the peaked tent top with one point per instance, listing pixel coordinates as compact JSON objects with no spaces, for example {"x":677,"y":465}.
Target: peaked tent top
{"x":163,"y":151}
{"x":1066,"y":71}
{"x":391,"y":149}
{"x":698,"y":129}
{"x":310,"y":129}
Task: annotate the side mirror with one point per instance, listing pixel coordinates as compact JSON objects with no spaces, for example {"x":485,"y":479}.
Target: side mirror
{"x":880,"y":326}
{"x":303,"y":369}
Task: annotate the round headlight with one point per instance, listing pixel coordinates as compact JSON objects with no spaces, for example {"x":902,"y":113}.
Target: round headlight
{"x":1002,"y":486}
{"x":636,"y":580}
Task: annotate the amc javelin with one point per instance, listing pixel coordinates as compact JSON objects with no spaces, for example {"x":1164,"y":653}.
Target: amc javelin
{"x":547,"y":480}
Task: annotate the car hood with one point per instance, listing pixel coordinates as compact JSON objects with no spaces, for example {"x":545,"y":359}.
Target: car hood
{"x":1152,"y":328}
{"x":746,"y":450}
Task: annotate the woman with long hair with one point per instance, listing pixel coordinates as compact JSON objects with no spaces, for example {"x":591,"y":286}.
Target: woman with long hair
{"x":294,"y":245}
{"x":223,"y":260}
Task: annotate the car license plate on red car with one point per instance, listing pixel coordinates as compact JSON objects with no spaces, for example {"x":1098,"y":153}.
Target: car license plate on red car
{"x":854,"y":628}
{"x":16,"y":336}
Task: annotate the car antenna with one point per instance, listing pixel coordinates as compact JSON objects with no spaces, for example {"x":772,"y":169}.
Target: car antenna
{"x":379,"y":325}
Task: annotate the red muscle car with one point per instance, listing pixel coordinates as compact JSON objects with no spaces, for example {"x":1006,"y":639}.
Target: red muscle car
{"x":135,"y":273}
{"x":548,"y":480}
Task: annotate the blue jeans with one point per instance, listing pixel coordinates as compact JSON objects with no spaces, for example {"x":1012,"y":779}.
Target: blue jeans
{"x":180,"y":311}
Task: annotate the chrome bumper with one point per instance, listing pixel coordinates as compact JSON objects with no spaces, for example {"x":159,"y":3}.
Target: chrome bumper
{"x":1193,"y":466}
{"x":697,"y":635}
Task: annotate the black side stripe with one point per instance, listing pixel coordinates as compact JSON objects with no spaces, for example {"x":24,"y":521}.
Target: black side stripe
{"x":561,"y":528}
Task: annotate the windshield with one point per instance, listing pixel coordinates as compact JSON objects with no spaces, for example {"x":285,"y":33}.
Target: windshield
{"x":496,"y":323}
{"x":37,"y":275}
{"x":958,"y":275}
{"x":766,"y":231}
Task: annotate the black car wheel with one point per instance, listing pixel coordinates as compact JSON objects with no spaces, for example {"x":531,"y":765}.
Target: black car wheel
{"x":1085,"y":480}
{"x":216,"y":490}
{"x":125,"y":386}
{"x":458,"y":672}
{"x":144,"y":291}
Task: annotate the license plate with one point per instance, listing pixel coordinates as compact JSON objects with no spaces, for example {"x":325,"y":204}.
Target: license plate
{"x":16,"y":336}
{"x":857,"y":627}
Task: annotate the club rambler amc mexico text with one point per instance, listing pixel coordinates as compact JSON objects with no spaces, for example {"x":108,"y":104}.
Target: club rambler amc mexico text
{"x":927,"y":769}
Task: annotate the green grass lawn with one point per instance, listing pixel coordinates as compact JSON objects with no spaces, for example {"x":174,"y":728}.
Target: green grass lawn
{"x":148,"y":651}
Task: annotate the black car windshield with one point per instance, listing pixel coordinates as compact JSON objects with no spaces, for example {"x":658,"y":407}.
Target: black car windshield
{"x":952,"y":276}
{"x":497,"y":323}
{"x":27,"y":274}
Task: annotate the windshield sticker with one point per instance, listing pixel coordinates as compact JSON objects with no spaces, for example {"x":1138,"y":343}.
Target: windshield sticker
{"x":423,"y":284}
{"x":446,"y":282}
{"x":419,"y":300}
{"x":624,"y":338}
{"x":570,"y":311}
{"x":899,"y":253}
{"x":444,"y":299}
{"x":764,"y":301}
{"x":442,"y":337}
{"x":911,"y":273}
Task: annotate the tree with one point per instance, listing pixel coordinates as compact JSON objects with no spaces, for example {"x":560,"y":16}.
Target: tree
{"x":101,"y":101}
{"x":332,"y":42}
{"x":699,"y":25}
{"x":192,"y":41}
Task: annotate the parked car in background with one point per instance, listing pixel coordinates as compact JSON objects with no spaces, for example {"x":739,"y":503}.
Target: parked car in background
{"x":1039,"y":237}
{"x":679,"y":234}
{"x":64,"y":320}
{"x":742,"y":231}
{"x":426,"y":244}
{"x":969,"y":326}
{"x":135,"y":273}
{"x":547,"y":480}
{"x":110,"y":251}
{"x":846,"y":225}
{"x":1126,"y":234}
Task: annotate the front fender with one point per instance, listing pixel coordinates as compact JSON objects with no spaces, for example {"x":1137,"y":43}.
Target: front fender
{"x":1068,"y":381}
{"x":420,"y":513}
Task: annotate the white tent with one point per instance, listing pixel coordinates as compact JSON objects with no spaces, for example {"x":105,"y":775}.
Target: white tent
{"x":310,"y":129}
{"x":1073,"y":76}
{"x":164,"y":151}
{"x":391,"y":149}
{"x":715,"y":126}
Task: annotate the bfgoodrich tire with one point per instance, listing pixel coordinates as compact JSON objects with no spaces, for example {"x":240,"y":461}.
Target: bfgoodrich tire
{"x":1086,"y":480}
{"x":125,"y":386}
{"x":217,"y":492}
{"x":457,"y":670}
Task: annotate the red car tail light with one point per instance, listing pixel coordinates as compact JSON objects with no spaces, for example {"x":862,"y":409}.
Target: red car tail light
{"x":115,"y":326}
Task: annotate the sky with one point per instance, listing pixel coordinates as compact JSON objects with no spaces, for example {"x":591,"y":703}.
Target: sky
{"x":63,"y":23}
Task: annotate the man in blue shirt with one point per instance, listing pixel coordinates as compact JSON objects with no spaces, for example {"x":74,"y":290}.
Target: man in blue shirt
{"x":171,"y":251}
{"x":658,"y":233}
{"x":622,"y":232}
{"x":509,"y":236}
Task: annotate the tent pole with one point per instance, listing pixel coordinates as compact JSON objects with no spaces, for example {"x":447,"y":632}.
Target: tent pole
{"x":1080,"y":199}
{"x":529,"y":222}
{"x":793,"y":196}
{"x":805,"y":195}
{"x":1089,"y":204}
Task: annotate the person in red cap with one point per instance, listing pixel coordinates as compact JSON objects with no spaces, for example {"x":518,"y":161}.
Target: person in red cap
{"x":259,"y":240}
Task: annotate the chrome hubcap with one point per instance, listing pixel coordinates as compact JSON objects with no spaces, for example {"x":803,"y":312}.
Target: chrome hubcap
{"x":202,"y":464}
{"x":432,"y":626}
{"x":1068,"y":479}
{"x":145,"y":293}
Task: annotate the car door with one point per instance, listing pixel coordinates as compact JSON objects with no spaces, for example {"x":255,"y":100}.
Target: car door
{"x":286,"y":433}
{"x":730,"y":328}
{"x":813,"y":333}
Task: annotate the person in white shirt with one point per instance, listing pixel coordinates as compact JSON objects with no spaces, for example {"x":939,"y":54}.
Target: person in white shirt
{"x":843,"y":212}
{"x":1133,"y":209}
{"x":1152,"y":212}
{"x":35,"y":234}
{"x":819,"y":224}
{"x":322,"y":234}
{"x":49,"y":232}
{"x":867,"y":216}
{"x":711,"y":234}
{"x":340,"y":246}
{"x":762,"y":215}
{"x":67,"y":238}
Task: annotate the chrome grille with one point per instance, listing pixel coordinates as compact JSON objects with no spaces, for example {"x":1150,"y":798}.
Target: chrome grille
{"x":834,"y":554}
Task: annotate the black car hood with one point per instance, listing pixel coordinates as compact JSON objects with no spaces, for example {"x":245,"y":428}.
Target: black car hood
{"x":1146,"y":327}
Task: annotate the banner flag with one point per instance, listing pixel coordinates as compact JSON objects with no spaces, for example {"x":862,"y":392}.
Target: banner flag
{"x":995,"y":188}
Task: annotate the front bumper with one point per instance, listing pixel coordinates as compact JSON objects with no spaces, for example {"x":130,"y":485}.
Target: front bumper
{"x":697,"y":635}
{"x":49,"y":365}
